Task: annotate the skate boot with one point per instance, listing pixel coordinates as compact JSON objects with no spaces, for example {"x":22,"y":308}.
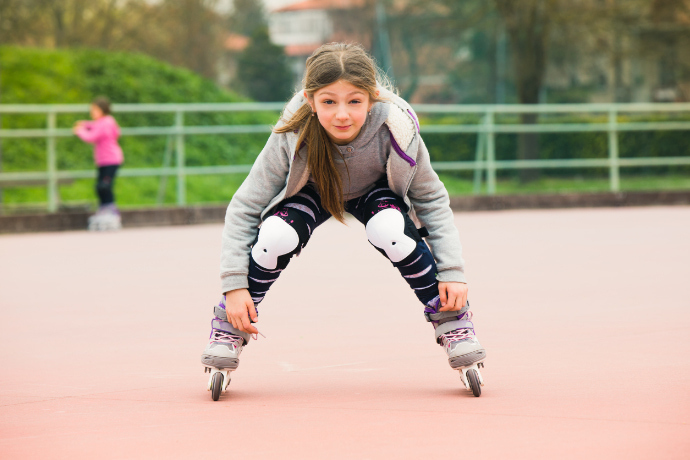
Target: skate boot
{"x":455,"y":333}
{"x":106,"y":218}
{"x":222,"y":353}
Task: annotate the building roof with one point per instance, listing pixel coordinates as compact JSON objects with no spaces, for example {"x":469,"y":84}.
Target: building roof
{"x":235,"y":42}
{"x":301,"y":50}
{"x":320,"y":5}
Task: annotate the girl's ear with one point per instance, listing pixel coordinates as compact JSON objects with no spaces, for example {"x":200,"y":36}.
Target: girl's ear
{"x":371,"y":103}
{"x":310,"y":101}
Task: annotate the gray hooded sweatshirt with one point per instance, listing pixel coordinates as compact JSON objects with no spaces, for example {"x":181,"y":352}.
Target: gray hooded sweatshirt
{"x":389,"y":144}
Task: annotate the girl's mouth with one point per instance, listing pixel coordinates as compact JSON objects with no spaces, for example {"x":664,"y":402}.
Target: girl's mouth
{"x":342,"y":128}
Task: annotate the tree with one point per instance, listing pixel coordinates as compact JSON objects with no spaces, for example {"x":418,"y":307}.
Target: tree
{"x":528,"y":24}
{"x":247,"y":16}
{"x":262,"y":69}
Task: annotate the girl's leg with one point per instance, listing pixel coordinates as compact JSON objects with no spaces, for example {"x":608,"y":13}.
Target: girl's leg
{"x":107,"y":217}
{"x":104,"y":184}
{"x":393,"y":233}
{"x":282,"y":235}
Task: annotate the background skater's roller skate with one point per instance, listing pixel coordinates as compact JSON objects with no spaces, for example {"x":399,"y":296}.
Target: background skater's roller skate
{"x":455,"y":333}
{"x":221,"y":355}
{"x":106,"y":218}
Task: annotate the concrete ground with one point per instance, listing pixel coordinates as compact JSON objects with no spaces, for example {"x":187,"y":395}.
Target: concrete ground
{"x":585,"y":315}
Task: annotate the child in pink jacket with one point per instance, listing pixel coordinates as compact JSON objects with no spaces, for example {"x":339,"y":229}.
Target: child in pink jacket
{"x":103,"y":132}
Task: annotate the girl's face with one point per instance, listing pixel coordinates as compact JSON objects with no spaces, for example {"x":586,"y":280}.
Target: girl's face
{"x":96,"y":112}
{"x":342,"y":110}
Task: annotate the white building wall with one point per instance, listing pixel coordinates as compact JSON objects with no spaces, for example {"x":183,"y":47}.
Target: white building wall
{"x":299,"y":27}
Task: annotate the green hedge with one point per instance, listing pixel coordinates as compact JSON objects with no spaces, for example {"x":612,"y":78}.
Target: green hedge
{"x":39,"y":76}
{"x":461,"y":147}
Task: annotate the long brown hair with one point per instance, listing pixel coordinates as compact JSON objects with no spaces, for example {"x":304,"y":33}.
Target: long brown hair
{"x":327,"y":65}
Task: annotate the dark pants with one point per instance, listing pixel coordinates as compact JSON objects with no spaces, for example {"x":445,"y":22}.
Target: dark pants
{"x":418,"y":268}
{"x":104,"y":184}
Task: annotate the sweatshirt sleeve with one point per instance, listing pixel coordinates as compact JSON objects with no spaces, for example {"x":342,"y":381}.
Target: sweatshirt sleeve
{"x":265,"y":181}
{"x":431,"y":204}
{"x":91,"y":132}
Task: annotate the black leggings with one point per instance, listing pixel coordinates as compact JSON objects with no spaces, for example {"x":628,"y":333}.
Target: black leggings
{"x":104,"y":184}
{"x":418,"y":269}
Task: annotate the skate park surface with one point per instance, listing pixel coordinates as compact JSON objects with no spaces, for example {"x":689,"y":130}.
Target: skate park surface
{"x":584,"y":313}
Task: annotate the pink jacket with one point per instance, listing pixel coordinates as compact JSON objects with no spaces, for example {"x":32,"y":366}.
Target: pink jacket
{"x":103,"y":133}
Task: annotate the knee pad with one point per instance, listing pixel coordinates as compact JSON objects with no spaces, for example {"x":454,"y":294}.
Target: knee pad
{"x":388,"y":231}
{"x":280,"y":237}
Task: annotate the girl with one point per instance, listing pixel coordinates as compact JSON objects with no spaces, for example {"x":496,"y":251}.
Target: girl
{"x":343,"y":144}
{"x":103,"y":131}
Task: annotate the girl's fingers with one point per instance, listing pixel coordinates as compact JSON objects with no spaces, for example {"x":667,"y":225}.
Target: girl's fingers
{"x":450,"y":304}
{"x":252,"y":312}
{"x":248,"y":326}
{"x":442,"y":294}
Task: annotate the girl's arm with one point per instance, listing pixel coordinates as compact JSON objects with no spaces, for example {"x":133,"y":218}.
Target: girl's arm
{"x":265,"y":181}
{"x":89,"y":131}
{"x":431,"y":204}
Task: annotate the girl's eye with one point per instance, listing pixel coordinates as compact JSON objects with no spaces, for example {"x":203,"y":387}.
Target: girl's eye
{"x":355,"y":101}
{"x":328,"y":101}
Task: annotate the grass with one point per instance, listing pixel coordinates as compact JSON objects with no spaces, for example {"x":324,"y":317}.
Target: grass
{"x":138,"y":192}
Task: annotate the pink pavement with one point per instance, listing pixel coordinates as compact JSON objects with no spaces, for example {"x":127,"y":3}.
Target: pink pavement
{"x":585,"y":315}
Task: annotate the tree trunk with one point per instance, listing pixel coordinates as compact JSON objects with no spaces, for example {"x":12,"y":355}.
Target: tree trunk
{"x":527,"y":24}
{"x":413,"y":65}
{"x":59,"y":22}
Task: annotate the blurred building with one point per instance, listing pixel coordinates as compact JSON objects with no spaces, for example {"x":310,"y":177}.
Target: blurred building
{"x":634,"y":57}
{"x":227,"y":65}
{"x":305,"y":25}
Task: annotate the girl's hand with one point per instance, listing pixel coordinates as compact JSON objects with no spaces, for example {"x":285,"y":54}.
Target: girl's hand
{"x":453,"y":296}
{"x":239,"y":306}
{"x":77,"y":125}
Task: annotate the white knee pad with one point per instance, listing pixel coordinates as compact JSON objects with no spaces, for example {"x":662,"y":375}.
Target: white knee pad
{"x":386,"y":231}
{"x":276,"y":237}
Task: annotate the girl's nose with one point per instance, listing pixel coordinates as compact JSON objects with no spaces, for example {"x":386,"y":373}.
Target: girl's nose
{"x":342,"y":113}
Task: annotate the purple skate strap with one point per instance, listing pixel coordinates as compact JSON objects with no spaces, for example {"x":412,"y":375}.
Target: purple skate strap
{"x":432,"y":317}
{"x":220,"y":313}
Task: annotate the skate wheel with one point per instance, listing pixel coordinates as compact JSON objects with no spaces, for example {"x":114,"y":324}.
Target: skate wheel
{"x":473,"y":380}
{"x":216,"y":385}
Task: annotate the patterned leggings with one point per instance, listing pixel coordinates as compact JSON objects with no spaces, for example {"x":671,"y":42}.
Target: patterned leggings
{"x":418,"y":269}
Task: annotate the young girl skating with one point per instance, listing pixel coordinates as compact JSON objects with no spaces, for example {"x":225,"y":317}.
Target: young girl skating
{"x":103,"y":132}
{"x":343,"y":144}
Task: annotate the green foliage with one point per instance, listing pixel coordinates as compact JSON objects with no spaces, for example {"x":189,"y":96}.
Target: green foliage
{"x":632,"y":144}
{"x":247,"y":16}
{"x":262,"y":69}
{"x":39,"y":76}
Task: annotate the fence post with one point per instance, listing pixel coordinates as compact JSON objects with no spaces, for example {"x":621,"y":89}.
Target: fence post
{"x":181,"y":180}
{"x":614,"y":177}
{"x":490,"y":154}
{"x":51,"y":159}
{"x":163,"y":184}
{"x":479,"y":157}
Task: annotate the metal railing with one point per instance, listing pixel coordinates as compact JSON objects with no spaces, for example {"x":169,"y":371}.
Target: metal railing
{"x":485,"y":162}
